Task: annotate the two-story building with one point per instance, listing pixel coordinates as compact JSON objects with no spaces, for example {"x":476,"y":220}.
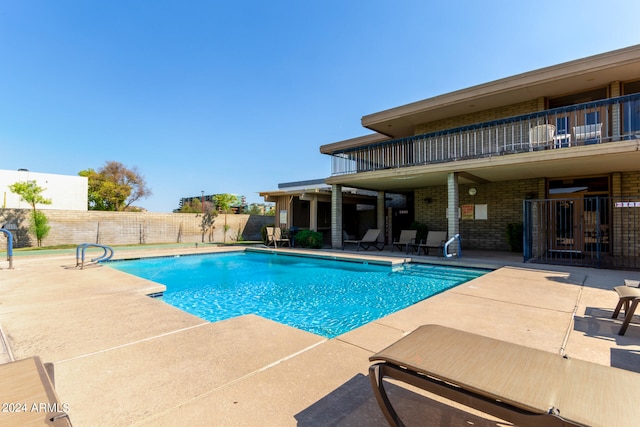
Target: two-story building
{"x":555,"y":149}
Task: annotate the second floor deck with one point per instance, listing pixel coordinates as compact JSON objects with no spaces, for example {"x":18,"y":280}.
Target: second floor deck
{"x":598,"y":122}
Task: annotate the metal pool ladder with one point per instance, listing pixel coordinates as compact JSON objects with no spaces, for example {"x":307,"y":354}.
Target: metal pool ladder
{"x":446,"y":247}
{"x":82,"y":247}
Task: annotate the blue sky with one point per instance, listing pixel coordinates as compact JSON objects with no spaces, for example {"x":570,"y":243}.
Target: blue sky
{"x":238,"y":96}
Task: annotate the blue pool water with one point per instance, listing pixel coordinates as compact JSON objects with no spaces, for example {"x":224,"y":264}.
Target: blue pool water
{"x":326,"y":297}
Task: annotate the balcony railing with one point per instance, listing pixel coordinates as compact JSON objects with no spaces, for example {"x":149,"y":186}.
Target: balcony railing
{"x":604,"y":121}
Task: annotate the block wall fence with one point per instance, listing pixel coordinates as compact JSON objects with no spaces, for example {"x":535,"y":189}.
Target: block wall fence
{"x":124,"y":228}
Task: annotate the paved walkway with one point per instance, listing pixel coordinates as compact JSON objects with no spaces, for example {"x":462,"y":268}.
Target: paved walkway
{"x":122,"y":358}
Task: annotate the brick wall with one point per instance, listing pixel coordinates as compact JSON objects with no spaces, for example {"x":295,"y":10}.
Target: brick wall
{"x":118,"y":228}
{"x":504,"y":206}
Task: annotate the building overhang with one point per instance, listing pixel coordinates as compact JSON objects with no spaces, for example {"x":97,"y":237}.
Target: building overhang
{"x":591,"y":72}
{"x":597,"y":159}
{"x":349,"y":195}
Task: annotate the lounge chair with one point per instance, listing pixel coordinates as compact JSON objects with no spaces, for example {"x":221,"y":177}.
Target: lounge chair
{"x":435,"y":240}
{"x":369,"y":239}
{"x":274,"y":237}
{"x":522,"y":385}
{"x":407,"y":237}
{"x":28,"y":396}
{"x":629,"y":297}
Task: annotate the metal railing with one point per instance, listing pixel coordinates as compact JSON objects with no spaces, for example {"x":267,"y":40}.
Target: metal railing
{"x":601,"y":232}
{"x":603,"y":121}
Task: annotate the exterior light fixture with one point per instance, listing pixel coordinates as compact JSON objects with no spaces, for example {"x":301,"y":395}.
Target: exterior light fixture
{"x":473,"y":191}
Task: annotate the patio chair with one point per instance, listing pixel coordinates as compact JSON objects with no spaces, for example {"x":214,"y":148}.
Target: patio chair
{"x":435,"y":240}
{"x":369,"y":239}
{"x":407,"y":237}
{"x":629,"y":297}
{"x":274,"y":237}
{"x":522,"y":385}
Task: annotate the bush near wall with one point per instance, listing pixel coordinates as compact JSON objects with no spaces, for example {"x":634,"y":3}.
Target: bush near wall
{"x":125,"y":228}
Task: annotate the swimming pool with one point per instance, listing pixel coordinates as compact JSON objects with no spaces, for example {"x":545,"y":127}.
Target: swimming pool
{"x":324,"y":296}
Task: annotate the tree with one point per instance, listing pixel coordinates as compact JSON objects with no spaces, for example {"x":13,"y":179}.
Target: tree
{"x":224,"y":203}
{"x":31,"y":193}
{"x":114,"y":187}
{"x":193,"y":206}
{"x":206,"y":224}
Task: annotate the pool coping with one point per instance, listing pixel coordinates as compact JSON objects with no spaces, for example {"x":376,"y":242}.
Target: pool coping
{"x":320,"y":382}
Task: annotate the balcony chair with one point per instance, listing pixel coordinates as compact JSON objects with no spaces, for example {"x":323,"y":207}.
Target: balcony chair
{"x":540,"y":136}
{"x":588,"y":134}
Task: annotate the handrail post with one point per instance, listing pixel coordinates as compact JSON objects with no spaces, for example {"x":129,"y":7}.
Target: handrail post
{"x":9,"y":246}
{"x":82,"y":247}
{"x":445,"y":249}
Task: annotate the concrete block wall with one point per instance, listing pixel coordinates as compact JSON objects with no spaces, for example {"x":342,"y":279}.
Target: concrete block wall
{"x":504,"y":206}
{"x":122,"y":228}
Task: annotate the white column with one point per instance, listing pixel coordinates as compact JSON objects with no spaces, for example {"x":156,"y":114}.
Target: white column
{"x":453,"y":203}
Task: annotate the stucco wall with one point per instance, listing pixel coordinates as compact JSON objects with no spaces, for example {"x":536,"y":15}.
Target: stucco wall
{"x":65,"y":191}
{"x":118,"y":228}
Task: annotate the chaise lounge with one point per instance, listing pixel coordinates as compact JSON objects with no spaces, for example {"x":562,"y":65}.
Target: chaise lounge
{"x":522,"y":385}
{"x":369,"y":239}
{"x":435,"y":240}
{"x":28,"y":396}
{"x":407,"y":237}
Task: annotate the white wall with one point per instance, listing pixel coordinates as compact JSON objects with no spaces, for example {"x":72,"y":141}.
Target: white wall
{"x":66,"y":192}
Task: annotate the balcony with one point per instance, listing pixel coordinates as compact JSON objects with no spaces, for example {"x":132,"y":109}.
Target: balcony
{"x":598,"y":122}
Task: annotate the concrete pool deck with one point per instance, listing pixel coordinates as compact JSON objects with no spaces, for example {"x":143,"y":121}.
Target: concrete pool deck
{"x":122,"y":358}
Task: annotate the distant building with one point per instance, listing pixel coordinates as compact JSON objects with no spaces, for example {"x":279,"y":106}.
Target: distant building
{"x":209,"y":200}
{"x":67,"y":192}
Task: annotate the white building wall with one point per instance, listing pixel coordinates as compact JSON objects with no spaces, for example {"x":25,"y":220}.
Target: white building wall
{"x":66,"y":192}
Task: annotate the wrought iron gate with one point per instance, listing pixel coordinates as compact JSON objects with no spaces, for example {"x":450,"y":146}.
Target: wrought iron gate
{"x":586,"y":231}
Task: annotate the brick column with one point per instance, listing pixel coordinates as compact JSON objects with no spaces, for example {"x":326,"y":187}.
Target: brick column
{"x":616,"y":128}
{"x":380,"y":211}
{"x":336,"y":216}
{"x":453,"y":201}
{"x":313,"y":213}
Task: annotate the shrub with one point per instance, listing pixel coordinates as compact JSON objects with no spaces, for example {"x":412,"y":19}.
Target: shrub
{"x":422,"y":229}
{"x":39,"y":226}
{"x":263,"y":232}
{"x":309,"y":239}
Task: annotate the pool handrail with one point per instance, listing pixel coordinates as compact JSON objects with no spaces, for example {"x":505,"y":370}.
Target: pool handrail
{"x":445,"y":249}
{"x":9,"y":246}
{"x":82,"y":247}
